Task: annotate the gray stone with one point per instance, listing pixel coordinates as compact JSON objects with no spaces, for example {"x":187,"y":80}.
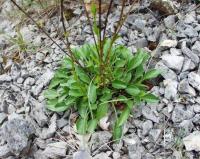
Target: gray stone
{"x":191,"y":32}
{"x":141,"y":43}
{"x":188,"y":65}
{"x":4,"y":151}
{"x":196,"y":48}
{"x":186,"y":126}
{"x":5,"y":78}
{"x":194,"y":80}
{"x":192,"y":141}
{"x":17,"y":133}
{"x":180,"y":113}
{"x":170,"y":89}
{"x":196,"y":119}
{"x":50,"y":131}
{"x":39,"y":115}
{"x":190,"y":17}
{"x":42,"y":82}
{"x":135,"y":149}
{"x":174,"y":51}
{"x":56,"y":150}
{"x":150,"y":114}
{"x":62,"y":122}
{"x":40,"y":56}
{"x":189,"y":53}
{"x":165,"y":71}
{"x":139,"y":24}
{"x":168,"y":43}
{"x":116,"y":155}
{"x":170,"y":21}
{"x":184,"y":87}
{"x":81,"y":154}
{"x":3,"y":117}
{"x":100,"y":138}
{"x":154,"y":134}
{"x":196,"y":108}
{"x":173,"y":61}
{"x":146,"y":127}
{"x":102,"y":155}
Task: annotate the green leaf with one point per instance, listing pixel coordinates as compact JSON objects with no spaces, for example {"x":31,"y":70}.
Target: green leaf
{"x":150,"y":98}
{"x":102,"y":110}
{"x":70,"y":100}
{"x":50,"y":94}
{"x":76,"y":93}
{"x":53,"y":105}
{"x":92,"y":125}
{"x":151,"y":74}
{"x":61,"y":73}
{"x":120,"y":63}
{"x":93,"y":9}
{"x":67,"y":63}
{"x":81,"y":126}
{"x":117,"y":132}
{"x":119,"y":84}
{"x":124,"y":116}
{"x":83,"y":108}
{"x":107,"y":95}
{"x":82,"y":75}
{"x":54,"y":82}
{"x":139,"y":72}
{"x":136,"y":60}
{"x":92,"y":95}
{"x":133,"y":90}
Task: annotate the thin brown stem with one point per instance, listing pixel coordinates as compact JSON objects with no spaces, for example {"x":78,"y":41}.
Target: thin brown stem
{"x":108,"y":13}
{"x":119,"y":25}
{"x":90,"y":24}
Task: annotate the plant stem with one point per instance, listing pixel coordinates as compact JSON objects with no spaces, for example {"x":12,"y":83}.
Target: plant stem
{"x":90,"y":24}
{"x":119,"y":25}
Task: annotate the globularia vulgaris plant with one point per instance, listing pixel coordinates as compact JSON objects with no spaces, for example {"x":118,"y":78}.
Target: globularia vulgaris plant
{"x":101,"y":77}
{"x":109,"y":76}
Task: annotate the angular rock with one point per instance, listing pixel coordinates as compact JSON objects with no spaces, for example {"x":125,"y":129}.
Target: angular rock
{"x":192,"y":141}
{"x":150,"y":114}
{"x":188,"y":65}
{"x":165,"y":71}
{"x":100,"y":138}
{"x":190,"y":32}
{"x":135,"y":149}
{"x":186,"y":126}
{"x":189,"y":53}
{"x":4,"y":151}
{"x":42,"y":82}
{"x":196,"y":48}
{"x":146,"y":127}
{"x":180,"y":113}
{"x":173,"y":61}
{"x":5,"y":78}
{"x":170,"y":89}
{"x":184,"y":87}
{"x":50,"y":131}
{"x":168,"y":43}
{"x":81,"y":154}
{"x":154,"y":134}
{"x":170,"y":21}
{"x":194,"y":80}
{"x":17,"y":133}
{"x":56,"y":150}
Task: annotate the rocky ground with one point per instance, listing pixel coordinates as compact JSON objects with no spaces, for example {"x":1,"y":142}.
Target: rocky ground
{"x":168,"y":130}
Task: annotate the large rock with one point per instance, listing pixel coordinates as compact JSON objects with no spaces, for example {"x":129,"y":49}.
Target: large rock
{"x":82,"y":154}
{"x":181,"y":113}
{"x":100,"y":138}
{"x":184,"y":87}
{"x":173,"y":61}
{"x":17,"y":133}
{"x":196,"y":48}
{"x":192,"y":141}
{"x":56,"y":150}
{"x":170,"y":89}
{"x":194,"y":80}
